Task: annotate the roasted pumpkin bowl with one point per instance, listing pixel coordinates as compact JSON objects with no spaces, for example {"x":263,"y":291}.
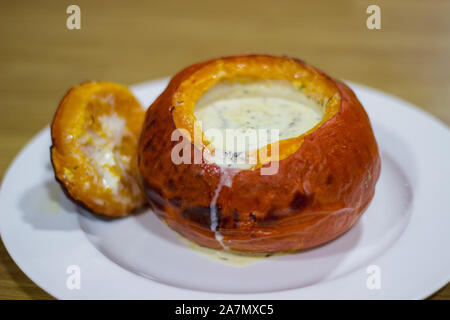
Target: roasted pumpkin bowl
{"x":325,"y":173}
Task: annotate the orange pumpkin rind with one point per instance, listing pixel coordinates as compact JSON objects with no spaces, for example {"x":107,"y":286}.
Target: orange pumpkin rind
{"x":94,"y":139}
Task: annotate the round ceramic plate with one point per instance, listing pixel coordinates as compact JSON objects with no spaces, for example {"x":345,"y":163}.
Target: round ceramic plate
{"x":397,"y":250}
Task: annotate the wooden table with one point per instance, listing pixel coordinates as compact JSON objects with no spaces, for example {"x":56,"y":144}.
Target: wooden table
{"x":134,"y":41}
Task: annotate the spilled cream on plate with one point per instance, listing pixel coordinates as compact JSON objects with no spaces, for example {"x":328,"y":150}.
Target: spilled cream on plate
{"x":232,"y":258}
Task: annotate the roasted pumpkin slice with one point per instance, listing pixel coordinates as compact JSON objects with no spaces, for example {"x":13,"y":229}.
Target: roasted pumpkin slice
{"x":94,"y":136}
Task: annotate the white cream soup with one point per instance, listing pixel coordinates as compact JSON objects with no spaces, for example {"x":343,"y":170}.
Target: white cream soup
{"x":252,"y":110}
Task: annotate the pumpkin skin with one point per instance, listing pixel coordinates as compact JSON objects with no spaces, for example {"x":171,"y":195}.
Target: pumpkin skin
{"x":319,"y":192}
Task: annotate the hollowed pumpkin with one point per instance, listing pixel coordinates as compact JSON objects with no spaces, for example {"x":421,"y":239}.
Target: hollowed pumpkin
{"x":325,"y":180}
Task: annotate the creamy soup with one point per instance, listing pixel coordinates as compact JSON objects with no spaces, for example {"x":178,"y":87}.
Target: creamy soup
{"x":257,"y":112}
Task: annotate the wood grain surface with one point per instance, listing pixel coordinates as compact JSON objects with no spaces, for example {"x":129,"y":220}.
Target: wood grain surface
{"x":135,"y":41}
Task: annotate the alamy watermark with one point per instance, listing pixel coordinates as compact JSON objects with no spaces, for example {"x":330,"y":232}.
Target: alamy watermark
{"x":73,"y":21}
{"x":73,"y":281}
{"x":243,"y":148}
{"x":373,"y":281}
{"x":373,"y":21}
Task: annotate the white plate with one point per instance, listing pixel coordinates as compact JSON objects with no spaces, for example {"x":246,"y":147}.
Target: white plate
{"x":404,"y":233}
